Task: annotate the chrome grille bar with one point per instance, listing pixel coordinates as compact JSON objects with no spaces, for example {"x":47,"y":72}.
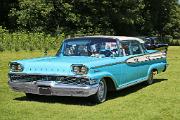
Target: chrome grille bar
{"x":59,"y":79}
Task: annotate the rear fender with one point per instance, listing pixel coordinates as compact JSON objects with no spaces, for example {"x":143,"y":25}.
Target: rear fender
{"x":158,"y":66}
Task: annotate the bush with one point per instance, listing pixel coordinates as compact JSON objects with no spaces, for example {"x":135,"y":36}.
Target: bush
{"x":176,"y":43}
{"x":28,"y":41}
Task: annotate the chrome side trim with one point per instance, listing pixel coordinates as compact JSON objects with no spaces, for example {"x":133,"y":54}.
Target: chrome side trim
{"x":110,"y":64}
{"x":144,"y":57}
{"x":124,"y":62}
{"x":131,"y":83}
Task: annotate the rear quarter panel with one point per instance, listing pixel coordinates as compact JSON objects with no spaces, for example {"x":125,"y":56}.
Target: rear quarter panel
{"x":123,"y":73}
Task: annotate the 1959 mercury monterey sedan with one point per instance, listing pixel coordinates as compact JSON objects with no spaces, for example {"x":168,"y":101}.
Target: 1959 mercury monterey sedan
{"x":88,"y":66}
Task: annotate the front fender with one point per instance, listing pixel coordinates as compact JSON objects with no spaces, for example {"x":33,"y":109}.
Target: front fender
{"x":100,"y":75}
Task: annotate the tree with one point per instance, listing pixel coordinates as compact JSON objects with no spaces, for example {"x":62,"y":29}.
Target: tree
{"x":6,"y":6}
{"x":32,"y":15}
{"x":157,"y":15}
{"x":124,"y":16}
{"x":173,"y":27}
{"x":111,"y":17}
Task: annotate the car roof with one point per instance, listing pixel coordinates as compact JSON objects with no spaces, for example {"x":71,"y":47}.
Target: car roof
{"x":120,"y":38}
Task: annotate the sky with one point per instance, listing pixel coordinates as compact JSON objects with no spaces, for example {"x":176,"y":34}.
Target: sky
{"x":179,"y":1}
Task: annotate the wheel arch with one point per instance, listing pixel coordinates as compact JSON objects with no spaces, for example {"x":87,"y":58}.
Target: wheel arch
{"x":157,"y":67}
{"x":154,"y":70}
{"x":111,"y":85}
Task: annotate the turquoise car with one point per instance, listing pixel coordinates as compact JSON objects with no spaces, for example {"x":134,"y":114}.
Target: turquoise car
{"x":88,"y":66}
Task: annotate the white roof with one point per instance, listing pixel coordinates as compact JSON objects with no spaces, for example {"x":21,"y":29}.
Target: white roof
{"x":116,"y":37}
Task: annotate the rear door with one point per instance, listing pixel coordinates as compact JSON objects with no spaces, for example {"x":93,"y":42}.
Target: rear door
{"x":135,"y":66}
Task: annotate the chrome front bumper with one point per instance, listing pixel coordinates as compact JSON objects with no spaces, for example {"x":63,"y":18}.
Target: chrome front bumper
{"x":52,"y":88}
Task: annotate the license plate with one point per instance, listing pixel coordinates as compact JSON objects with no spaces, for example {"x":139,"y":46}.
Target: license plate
{"x":45,"y":90}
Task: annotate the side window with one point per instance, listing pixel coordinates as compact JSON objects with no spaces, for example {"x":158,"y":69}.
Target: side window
{"x":143,"y":48}
{"x":136,"y":48}
{"x":125,"y":48}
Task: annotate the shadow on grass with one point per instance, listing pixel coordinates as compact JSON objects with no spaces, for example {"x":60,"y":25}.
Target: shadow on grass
{"x":87,"y":101}
{"x":131,"y":89}
{"x":59,"y":99}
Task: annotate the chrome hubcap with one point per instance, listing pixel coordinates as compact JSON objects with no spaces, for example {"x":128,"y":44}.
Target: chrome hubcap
{"x":101,"y":90}
{"x":151,"y":79}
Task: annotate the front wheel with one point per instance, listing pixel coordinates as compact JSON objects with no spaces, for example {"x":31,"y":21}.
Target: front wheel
{"x":150,"y":78}
{"x":101,"y":94}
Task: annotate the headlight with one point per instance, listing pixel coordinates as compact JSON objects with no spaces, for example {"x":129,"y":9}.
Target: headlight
{"x":83,"y":69}
{"x":16,"y":67}
{"x":76,"y":69}
{"x":79,"y":69}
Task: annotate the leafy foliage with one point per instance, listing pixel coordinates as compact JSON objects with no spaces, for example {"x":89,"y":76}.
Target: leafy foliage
{"x":28,"y":41}
{"x":33,"y":15}
{"x":111,"y":17}
{"x":173,"y":27}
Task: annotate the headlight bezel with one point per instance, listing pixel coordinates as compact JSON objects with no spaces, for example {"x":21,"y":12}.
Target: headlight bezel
{"x":16,"y":67}
{"x":77,"y":69}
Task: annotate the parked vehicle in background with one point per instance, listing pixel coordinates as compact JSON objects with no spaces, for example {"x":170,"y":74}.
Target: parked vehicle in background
{"x":152,"y":43}
{"x":88,"y":66}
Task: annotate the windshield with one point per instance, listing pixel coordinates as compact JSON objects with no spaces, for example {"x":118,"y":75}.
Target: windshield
{"x":90,"y":47}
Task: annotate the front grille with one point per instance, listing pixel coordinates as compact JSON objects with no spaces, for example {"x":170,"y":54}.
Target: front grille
{"x":59,"y":79}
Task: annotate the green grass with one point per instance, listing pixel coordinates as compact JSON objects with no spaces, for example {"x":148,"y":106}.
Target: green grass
{"x":160,"y":100}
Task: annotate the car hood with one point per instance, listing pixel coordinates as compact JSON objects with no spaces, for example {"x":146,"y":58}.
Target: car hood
{"x":62,"y":65}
